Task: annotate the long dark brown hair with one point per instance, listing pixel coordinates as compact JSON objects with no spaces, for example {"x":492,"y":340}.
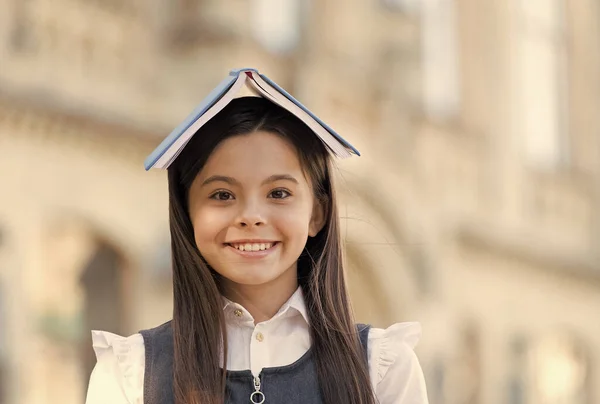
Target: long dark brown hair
{"x":198,"y":322}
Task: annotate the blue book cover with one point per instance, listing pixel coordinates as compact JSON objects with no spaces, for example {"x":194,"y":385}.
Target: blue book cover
{"x":316,"y":118}
{"x":214,"y":96}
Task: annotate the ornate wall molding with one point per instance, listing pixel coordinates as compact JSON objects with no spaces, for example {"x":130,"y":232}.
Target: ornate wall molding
{"x":511,"y":246}
{"x":29,"y":121}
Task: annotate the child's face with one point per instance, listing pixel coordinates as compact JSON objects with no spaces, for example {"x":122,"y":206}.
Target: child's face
{"x":252,"y":210}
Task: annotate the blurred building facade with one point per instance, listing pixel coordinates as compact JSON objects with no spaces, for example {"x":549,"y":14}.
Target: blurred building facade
{"x":474,"y":209}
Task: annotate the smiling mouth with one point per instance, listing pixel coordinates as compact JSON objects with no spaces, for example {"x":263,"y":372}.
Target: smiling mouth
{"x":253,"y":247}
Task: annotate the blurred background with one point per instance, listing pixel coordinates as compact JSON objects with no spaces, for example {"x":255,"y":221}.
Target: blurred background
{"x":474,"y":208}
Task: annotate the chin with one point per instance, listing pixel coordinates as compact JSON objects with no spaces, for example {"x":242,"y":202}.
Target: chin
{"x":252,"y":275}
{"x":252,"y":279}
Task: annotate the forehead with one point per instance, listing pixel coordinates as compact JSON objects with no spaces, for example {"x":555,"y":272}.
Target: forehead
{"x":253,"y":155}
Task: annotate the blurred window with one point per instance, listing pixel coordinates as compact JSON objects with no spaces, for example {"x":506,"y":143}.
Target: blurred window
{"x":21,"y":38}
{"x":542,"y":81}
{"x":517,"y":363}
{"x":404,"y":6}
{"x":559,"y":371}
{"x":441,"y":83}
{"x":104,"y":301}
{"x":277,"y":25}
{"x":466,"y":369}
{"x":3,"y":350}
{"x":3,"y":326}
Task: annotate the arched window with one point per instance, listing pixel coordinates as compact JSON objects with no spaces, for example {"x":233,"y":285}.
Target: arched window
{"x":103,"y":306}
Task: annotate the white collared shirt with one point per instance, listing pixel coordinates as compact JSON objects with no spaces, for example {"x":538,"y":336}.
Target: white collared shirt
{"x":257,"y":347}
{"x":395,"y":372}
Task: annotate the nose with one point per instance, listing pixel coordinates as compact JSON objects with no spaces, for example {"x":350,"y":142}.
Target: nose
{"x":251,"y":215}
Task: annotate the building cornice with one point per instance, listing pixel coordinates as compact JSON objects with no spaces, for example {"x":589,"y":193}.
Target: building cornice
{"x":577,"y":265}
{"x":25,"y":117}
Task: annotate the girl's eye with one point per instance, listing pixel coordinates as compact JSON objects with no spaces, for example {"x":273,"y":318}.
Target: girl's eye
{"x":222,"y":196}
{"x":279,"y":194}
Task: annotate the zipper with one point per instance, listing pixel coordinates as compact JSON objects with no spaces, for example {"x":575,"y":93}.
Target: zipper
{"x":257,"y":397}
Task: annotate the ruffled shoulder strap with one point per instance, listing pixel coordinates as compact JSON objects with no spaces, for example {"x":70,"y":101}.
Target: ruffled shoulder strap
{"x":386,"y":345}
{"x":125,"y":356}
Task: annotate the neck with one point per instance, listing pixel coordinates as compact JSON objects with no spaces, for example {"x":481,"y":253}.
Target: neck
{"x":262,"y":301}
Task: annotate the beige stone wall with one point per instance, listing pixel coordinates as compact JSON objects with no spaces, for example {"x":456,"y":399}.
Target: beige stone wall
{"x":64,"y":194}
{"x":445,"y":220}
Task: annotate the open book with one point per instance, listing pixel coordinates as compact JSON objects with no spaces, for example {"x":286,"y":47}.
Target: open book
{"x":222,"y":95}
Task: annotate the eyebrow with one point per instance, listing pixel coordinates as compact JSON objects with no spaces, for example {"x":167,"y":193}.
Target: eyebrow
{"x":220,"y":178}
{"x":233,"y":181}
{"x":280,"y":177}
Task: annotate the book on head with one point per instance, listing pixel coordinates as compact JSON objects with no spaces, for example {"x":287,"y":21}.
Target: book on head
{"x":238,"y":81}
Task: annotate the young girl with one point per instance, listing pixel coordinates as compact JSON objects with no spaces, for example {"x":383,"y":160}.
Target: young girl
{"x":261,"y":311}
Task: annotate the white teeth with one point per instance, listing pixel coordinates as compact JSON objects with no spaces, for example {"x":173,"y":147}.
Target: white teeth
{"x":252,"y":247}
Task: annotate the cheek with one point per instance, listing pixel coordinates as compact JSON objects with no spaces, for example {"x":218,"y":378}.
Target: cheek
{"x":294,"y":225}
{"x":207,"y":224}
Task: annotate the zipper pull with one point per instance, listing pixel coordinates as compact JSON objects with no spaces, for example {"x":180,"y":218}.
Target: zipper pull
{"x":257,"y":397}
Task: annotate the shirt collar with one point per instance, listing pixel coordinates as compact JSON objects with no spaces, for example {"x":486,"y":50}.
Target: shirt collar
{"x":295,"y":302}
